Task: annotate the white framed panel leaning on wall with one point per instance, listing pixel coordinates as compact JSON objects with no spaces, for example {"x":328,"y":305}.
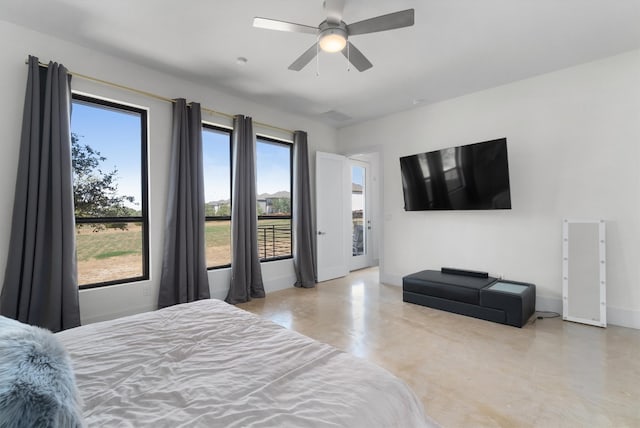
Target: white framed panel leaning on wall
{"x":584,"y":293}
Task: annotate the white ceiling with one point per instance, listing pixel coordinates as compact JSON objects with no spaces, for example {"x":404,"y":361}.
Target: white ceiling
{"x":456,"y":46}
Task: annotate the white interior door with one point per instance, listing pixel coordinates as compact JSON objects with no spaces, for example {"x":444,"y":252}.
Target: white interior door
{"x":360,"y":219}
{"x":333,"y":243}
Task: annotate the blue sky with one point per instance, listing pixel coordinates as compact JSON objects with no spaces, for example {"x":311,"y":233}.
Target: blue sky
{"x":116,"y":135}
{"x":357,"y":175}
{"x":215,"y":159}
{"x":273,"y":174}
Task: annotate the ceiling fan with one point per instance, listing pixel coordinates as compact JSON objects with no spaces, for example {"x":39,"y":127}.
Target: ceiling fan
{"x":333,"y":33}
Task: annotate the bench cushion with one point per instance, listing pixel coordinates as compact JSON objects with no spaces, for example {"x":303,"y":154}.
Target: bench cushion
{"x":446,"y":286}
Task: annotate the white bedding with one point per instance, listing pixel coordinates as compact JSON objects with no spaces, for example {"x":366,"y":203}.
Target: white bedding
{"x":209,"y":364}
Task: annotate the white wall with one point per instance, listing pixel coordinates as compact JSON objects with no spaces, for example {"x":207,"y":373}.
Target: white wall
{"x":16,"y":43}
{"x":573,"y":141}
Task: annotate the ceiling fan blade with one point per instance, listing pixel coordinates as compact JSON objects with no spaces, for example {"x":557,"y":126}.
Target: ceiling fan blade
{"x":305,"y":58}
{"x":274,"y":24}
{"x":334,"y":9}
{"x":390,"y":21}
{"x":356,"y":57}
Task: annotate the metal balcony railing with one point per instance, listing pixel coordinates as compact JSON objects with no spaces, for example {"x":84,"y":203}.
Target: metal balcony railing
{"x":274,"y":241}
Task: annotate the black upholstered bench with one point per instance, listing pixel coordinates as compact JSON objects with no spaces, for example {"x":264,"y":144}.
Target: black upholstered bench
{"x":472,"y":293}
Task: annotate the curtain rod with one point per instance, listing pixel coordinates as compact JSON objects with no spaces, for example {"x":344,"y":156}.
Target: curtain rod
{"x":160,"y":97}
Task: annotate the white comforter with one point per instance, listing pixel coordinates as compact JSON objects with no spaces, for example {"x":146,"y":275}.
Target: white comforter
{"x":209,"y":364}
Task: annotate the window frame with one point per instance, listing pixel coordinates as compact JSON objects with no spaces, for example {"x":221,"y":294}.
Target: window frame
{"x":289,"y":145}
{"x":144,"y":180}
{"x":222,"y":218}
{"x":267,"y":139}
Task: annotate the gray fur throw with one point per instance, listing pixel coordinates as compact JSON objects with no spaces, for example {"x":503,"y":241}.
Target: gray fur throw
{"x":37,"y":384}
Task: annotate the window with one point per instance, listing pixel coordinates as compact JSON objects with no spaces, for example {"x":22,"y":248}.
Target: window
{"x":358,"y":196}
{"x":273,"y":175}
{"x":216,"y":155}
{"x":109,"y":161}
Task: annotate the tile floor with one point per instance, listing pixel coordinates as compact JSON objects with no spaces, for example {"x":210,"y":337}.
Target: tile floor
{"x":469,"y":372}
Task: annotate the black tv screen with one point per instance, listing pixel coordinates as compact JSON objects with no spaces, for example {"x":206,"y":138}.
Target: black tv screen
{"x":470,"y":177}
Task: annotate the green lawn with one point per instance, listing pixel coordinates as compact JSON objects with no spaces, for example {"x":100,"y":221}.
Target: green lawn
{"x":217,"y":233}
{"x":108,"y":243}
{"x":107,"y":249}
{"x":115,"y":242}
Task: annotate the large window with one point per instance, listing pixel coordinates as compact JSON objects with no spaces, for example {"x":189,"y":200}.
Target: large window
{"x":109,"y":160}
{"x":273,"y":174}
{"x":216,"y":150}
{"x":273,"y":159}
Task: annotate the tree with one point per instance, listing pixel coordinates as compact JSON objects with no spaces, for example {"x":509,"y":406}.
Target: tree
{"x":217,"y":209}
{"x":280,"y":205}
{"x":95,"y":191}
{"x":224,"y":209}
{"x":209,"y":210}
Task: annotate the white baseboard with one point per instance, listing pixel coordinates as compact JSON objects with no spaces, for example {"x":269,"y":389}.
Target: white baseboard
{"x":615,"y":316}
{"x":270,"y":285}
{"x":623,"y":317}
{"x":280,"y":283}
{"x":390,"y":279}
{"x":549,"y":304}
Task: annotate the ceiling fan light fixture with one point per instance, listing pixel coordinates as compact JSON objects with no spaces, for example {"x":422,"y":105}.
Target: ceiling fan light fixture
{"x":332,"y":33}
{"x":333,"y":40}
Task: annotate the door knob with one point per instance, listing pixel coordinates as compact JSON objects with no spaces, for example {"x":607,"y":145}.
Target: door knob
{"x":321,"y":232}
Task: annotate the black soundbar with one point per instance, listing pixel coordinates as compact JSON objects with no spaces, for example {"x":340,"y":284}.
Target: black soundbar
{"x":474,"y":273}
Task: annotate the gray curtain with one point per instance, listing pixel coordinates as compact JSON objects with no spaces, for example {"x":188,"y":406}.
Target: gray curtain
{"x":40,"y":282}
{"x":246,"y":276}
{"x":184,"y":269}
{"x":304,"y":261}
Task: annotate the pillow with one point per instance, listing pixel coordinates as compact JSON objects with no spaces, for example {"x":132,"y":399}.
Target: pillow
{"x":37,"y":384}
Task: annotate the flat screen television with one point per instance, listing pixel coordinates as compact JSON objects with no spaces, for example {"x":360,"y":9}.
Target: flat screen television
{"x":470,"y":177}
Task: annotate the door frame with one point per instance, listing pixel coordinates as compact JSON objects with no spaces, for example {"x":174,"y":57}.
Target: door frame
{"x":372,"y":156}
{"x":365,"y":260}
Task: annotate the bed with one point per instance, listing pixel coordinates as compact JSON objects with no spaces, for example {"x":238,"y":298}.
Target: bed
{"x":211,"y":364}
